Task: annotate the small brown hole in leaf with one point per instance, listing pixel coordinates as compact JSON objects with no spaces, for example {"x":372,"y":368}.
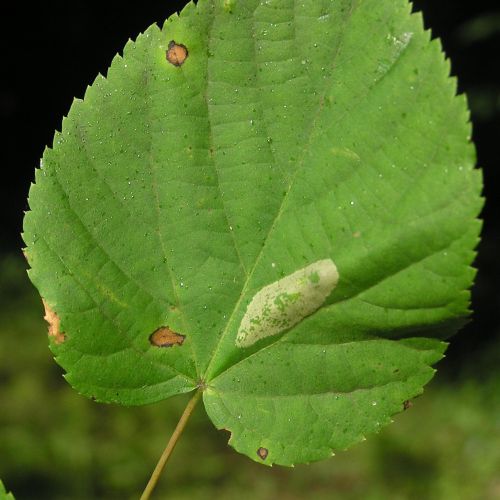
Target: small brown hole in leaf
{"x":407,"y":404}
{"x":177,"y":53}
{"x":165,"y":337}
{"x":54,"y":324}
{"x":262,"y":452}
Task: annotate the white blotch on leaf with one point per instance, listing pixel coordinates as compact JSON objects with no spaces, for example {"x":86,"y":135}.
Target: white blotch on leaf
{"x":286,"y":302}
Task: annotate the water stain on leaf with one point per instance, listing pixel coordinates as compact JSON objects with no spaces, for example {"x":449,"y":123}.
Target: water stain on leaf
{"x":54,"y":324}
{"x":165,"y":337}
{"x":262,"y":453}
{"x":177,"y":53}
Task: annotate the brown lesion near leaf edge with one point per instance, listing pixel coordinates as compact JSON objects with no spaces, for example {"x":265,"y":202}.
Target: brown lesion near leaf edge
{"x":54,"y":324}
{"x":407,"y":404}
{"x":166,"y":337}
{"x":177,"y":53}
{"x":262,"y":453}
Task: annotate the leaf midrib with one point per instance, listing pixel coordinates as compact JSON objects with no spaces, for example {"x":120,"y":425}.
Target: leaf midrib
{"x":208,"y":376}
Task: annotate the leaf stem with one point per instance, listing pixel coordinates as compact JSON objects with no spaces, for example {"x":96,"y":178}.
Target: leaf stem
{"x":155,"y":476}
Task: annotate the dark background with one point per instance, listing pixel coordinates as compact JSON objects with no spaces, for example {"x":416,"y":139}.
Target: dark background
{"x":49,"y":54}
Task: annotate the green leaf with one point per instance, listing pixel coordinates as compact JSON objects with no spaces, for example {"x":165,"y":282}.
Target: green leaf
{"x":4,"y":495}
{"x":273,"y":201}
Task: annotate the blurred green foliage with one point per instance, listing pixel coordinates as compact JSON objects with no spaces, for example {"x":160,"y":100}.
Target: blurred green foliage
{"x":55,"y":444}
{"x":480,"y":28}
{"x":475,"y":36}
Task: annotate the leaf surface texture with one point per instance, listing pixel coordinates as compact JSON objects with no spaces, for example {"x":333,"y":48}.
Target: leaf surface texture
{"x":293,"y":132}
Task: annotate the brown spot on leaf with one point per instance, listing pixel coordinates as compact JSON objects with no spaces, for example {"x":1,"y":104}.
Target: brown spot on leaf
{"x":54,"y":324}
{"x":165,"y":337}
{"x":230,"y":433}
{"x":407,"y":404}
{"x":177,"y":53}
{"x":262,"y":452}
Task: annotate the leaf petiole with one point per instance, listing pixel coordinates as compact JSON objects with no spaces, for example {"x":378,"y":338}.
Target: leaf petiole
{"x":155,"y":476}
